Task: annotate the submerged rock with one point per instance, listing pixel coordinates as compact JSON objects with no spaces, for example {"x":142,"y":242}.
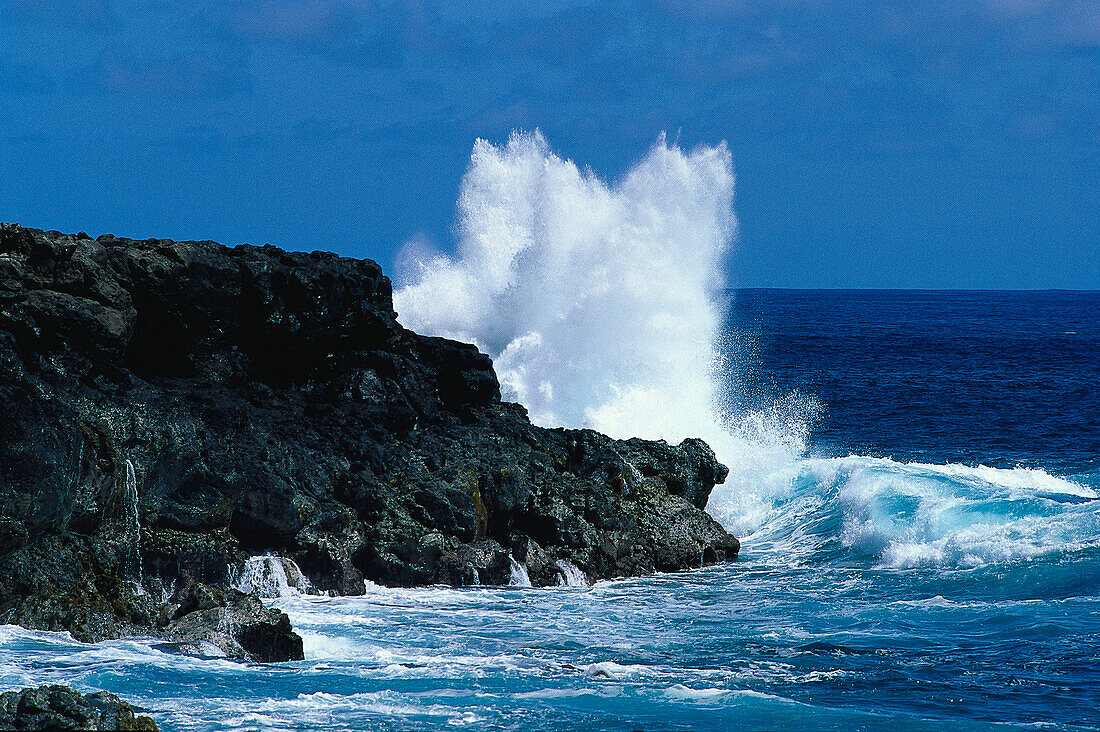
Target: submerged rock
{"x":62,"y":708}
{"x":173,"y":408}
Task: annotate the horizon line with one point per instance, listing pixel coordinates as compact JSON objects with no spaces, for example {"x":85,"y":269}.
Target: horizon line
{"x":914,"y":289}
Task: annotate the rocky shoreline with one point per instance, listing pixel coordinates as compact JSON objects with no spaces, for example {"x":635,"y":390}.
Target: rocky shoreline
{"x":173,"y":408}
{"x":51,"y":708}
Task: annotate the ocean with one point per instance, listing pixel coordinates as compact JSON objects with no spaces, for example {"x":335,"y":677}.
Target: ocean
{"x":915,"y":477}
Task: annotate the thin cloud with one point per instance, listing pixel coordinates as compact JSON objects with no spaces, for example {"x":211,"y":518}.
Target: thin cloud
{"x":187,"y":75}
{"x":279,"y":21}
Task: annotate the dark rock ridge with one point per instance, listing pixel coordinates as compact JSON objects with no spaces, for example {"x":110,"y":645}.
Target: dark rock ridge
{"x":171,"y":408}
{"x":60,"y":708}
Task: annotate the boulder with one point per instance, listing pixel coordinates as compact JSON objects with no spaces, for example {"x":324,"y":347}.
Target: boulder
{"x":50,"y":708}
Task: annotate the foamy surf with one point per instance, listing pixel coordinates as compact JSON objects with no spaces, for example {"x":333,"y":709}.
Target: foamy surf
{"x":914,"y":514}
{"x":601,"y":305}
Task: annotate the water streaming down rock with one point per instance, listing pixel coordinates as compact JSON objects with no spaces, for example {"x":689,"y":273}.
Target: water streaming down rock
{"x":267,"y":576}
{"x":131,"y":531}
{"x":519,"y":576}
{"x":571,"y":575}
{"x":132,"y":526}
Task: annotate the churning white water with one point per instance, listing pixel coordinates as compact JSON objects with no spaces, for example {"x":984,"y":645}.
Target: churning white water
{"x":602,"y":305}
{"x":267,"y":576}
{"x":598,"y":303}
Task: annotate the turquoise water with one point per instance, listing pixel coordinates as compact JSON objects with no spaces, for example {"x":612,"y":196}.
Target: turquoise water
{"x":747,"y":645}
{"x":918,"y":564}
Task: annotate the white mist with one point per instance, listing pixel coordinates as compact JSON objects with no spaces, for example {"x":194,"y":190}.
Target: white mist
{"x":598,"y":303}
{"x":601,"y":303}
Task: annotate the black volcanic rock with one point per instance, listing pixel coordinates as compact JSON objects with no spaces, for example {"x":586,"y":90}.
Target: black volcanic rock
{"x":170,"y":408}
{"x":234,"y":622}
{"x":61,"y":708}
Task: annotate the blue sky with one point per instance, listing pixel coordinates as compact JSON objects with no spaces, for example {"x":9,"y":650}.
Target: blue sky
{"x":877,"y":144}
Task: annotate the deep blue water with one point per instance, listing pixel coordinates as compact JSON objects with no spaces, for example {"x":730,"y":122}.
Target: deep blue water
{"x":932,"y":558}
{"x":1001,"y":378}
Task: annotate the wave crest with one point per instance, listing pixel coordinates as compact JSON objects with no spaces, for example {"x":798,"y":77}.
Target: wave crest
{"x":906,"y":515}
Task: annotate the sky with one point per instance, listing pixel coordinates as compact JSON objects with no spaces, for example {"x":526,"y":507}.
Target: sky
{"x":933,"y":144}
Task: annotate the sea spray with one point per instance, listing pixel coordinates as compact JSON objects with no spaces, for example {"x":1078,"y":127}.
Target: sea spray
{"x":600,"y":304}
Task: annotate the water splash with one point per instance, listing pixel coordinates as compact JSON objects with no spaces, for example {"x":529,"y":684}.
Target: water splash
{"x":519,"y":576}
{"x":571,"y":575}
{"x":267,"y":576}
{"x":600,"y":304}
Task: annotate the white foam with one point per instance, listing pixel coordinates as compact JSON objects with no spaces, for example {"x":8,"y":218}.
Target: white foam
{"x":266,"y":576}
{"x":519,"y":576}
{"x":685,"y":693}
{"x":11,"y":634}
{"x":936,"y":601}
{"x":612,"y":670}
{"x":571,"y":575}
{"x":321,"y":710}
{"x":565,"y":693}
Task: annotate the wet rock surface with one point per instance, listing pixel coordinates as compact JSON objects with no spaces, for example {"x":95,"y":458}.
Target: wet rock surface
{"x":61,"y":708}
{"x":171,"y":408}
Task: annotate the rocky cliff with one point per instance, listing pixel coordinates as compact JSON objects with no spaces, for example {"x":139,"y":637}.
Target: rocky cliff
{"x":168,"y":409}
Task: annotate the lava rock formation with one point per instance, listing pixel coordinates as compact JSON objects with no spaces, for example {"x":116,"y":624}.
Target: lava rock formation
{"x":168,"y":409}
{"x":55,"y":708}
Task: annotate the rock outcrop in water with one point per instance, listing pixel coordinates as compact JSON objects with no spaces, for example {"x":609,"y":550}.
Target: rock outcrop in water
{"x":53,"y":708}
{"x":171,"y":408}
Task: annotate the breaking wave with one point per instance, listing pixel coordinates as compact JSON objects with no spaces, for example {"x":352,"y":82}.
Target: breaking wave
{"x":907,"y":515}
{"x":602,"y":305}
